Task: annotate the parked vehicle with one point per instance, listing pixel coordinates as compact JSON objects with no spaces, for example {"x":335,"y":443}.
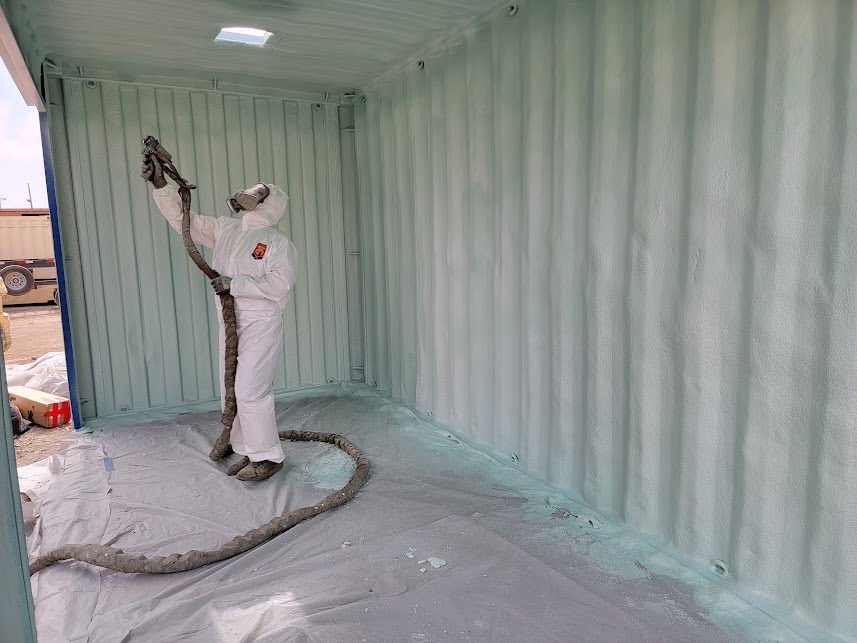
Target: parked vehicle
{"x":27,"y":265}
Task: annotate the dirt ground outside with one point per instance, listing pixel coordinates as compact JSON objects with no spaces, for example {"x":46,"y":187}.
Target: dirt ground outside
{"x":36,"y":330}
{"x":39,"y":443}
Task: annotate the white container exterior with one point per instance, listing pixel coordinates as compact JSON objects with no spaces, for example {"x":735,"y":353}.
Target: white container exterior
{"x":26,"y":237}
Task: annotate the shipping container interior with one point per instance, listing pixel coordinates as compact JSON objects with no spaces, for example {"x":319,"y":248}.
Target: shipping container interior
{"x":580,"y":277}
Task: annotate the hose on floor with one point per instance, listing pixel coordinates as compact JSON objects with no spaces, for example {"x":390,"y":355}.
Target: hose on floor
{"x":116,"y":559}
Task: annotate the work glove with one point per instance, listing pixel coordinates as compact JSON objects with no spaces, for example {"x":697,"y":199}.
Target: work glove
{"x":153,"y":172}
{"x":221,"y":284}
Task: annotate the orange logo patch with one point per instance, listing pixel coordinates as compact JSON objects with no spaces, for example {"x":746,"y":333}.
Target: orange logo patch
{"x":259,"y":252}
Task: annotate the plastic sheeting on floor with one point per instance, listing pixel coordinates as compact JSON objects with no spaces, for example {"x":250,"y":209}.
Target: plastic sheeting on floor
{"x":47,"y":374}
{"x":444,"y":543}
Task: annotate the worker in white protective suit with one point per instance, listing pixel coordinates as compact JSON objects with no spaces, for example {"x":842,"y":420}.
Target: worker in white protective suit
{"x":257,"y":264}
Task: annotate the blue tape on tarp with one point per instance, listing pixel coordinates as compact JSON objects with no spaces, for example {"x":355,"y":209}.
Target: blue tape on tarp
{"x":108,"y":464}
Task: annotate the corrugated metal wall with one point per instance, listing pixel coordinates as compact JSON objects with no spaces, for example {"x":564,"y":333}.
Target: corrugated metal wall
{"x":618,"y":239}
{"x":142,"y":315}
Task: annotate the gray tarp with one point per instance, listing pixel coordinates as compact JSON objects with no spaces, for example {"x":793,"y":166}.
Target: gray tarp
{"x":444,"y":543}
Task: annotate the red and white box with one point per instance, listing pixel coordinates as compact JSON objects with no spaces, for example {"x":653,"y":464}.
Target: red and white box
{"x":40,"y":408}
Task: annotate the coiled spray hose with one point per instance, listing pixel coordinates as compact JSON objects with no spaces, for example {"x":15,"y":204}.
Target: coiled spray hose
{"x":116,"y":559}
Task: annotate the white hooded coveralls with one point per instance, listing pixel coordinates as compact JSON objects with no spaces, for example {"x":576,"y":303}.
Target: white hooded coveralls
{"x":261,"y":261}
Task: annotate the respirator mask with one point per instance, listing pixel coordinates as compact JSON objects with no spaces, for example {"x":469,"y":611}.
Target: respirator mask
{"x":247,"y":199}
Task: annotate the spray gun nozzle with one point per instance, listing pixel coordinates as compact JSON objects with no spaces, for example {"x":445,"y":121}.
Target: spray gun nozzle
{"x":151,"y":146}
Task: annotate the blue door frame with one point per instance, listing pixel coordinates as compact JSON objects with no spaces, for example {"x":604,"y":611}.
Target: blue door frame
{"x":60,"y":264}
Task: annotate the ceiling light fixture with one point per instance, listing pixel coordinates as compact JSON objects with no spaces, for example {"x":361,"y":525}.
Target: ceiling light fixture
{"x":243,"y":35}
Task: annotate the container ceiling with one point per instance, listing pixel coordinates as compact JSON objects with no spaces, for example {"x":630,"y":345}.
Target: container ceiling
{"x":328,"y":45}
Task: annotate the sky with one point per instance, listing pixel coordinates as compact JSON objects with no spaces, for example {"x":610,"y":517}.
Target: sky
{"x":20,"y":148}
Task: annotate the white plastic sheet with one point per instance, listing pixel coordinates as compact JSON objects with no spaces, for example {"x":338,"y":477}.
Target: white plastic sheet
{"x":443,"y":544}
{"x":47,"y":374}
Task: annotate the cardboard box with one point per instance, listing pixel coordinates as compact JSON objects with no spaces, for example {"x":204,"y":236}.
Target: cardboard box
{"x":40,"y":408}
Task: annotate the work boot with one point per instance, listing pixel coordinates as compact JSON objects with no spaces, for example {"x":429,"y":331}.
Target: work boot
{"x":257,"y":471}
{"x":235,"y":468}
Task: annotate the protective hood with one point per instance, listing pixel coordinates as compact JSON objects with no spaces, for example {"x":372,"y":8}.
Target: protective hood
{"x":269,"y":212}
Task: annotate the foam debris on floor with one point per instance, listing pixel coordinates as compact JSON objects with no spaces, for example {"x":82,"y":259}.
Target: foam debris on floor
{"x":445,"y":542}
